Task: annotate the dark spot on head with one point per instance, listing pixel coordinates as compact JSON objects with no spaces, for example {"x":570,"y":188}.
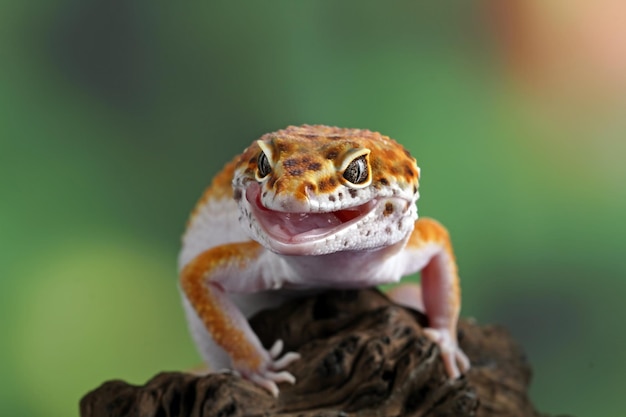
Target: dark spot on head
{"x":369,"y":232}
{"x":237,"y":194}
{"x":394,"y":170}
{"x":332,"y":154}
{"x":407,"y":153}
{"x":252,"y":160}
{"x":388,"y":230}
{"x":314,"y":166}
{"x":264,"y":193}
{"x":345,"y":243}
{"x":400,"y":224}
{"x":388,"y":209}
{"x":340,"y":195}
{"x":290,"y":163}
{"x":331,"y":198}
{"x":353,"y":192}
{"x":295,"y":172}
{"x":384,"y":181}
{"x":325,"y":185}
{"x":310,"y":136}
{"x":414,"y":189}
{"x":282,"y":147}
{"x":409,"y":171}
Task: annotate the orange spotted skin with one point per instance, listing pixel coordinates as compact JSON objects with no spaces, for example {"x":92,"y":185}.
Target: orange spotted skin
{"x":208,"y":307}
{"x":310,"y":156}
{"x":428,"y":231}
{"x":311,"y":207}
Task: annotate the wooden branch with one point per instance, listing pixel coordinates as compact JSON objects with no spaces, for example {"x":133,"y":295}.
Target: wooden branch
{"x":361,"y":355}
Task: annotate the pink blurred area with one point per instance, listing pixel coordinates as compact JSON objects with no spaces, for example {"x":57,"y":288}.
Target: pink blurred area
{"x":564,"y":62}
{"x":571,"y":51}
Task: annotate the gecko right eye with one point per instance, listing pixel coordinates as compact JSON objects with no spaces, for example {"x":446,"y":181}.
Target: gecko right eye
{"x":263,"y":165}
{"x":357,"y":171}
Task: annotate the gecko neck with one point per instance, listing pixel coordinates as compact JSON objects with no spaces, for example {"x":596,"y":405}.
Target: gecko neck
{"x":346,"y":269}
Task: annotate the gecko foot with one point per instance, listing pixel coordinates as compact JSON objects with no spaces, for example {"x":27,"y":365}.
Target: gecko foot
{"x":271,"y":371}
{"x":455,"y":361}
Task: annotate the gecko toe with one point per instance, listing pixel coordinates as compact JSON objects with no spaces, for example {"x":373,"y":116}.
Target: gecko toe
{"x":463,"y":360}
{"x":286,"y":360}
{"x":276,"y":348}
{"x":452,"y":356}
{"x":265,"y":383}
{"x":269,"y":380}
{"x":279,"y":377}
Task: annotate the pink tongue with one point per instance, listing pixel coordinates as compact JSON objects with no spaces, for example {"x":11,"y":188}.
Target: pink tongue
{"x":297,"y":226}
{"x":297,"y":223}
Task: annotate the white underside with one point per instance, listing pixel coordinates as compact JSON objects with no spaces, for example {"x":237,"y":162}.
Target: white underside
{"x":217,"y":223}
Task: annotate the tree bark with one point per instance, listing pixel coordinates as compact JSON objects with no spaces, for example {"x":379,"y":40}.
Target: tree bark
{"x":362,"y":355}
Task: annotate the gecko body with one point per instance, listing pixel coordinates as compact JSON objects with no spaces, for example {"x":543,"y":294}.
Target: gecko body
{"x":306,"y":208}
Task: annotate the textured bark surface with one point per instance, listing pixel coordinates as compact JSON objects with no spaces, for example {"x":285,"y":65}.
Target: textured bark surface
{"x":361,"y":355}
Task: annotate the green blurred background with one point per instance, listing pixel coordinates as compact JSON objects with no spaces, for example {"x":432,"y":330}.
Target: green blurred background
{"x":114,"y":116}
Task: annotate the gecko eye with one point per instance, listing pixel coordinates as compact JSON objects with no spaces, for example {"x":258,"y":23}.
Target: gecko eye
{"x":357,"y":171}
{"x":263,"y":165}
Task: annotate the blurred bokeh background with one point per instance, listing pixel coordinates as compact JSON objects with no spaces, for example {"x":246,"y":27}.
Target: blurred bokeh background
{"x":114,"y":116}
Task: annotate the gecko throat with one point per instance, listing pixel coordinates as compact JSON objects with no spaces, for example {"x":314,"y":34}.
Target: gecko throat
{"x":301,"y":227}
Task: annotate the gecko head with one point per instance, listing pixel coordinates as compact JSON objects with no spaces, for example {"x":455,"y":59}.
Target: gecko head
{"x":313,"y":190}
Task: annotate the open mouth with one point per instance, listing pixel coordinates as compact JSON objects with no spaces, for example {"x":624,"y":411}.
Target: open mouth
{"x":303,"y":227}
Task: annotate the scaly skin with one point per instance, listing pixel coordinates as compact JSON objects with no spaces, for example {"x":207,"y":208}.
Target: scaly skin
{"x":303,"y":208}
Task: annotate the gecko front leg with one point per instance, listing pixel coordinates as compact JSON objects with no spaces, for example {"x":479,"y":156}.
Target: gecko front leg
{"x":204,"y":282}
{"x":430,"y":251}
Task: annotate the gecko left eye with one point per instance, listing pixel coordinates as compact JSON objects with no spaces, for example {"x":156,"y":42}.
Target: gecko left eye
{"x":263,"y":165}
{"x":357,"y":171}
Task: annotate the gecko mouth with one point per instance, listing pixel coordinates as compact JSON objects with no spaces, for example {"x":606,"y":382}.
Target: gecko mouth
{"x":301,"y":227}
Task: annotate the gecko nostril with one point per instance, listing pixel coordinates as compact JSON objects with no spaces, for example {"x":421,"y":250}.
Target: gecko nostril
{"x":309,"y":189}
{"x":280,"y":185}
